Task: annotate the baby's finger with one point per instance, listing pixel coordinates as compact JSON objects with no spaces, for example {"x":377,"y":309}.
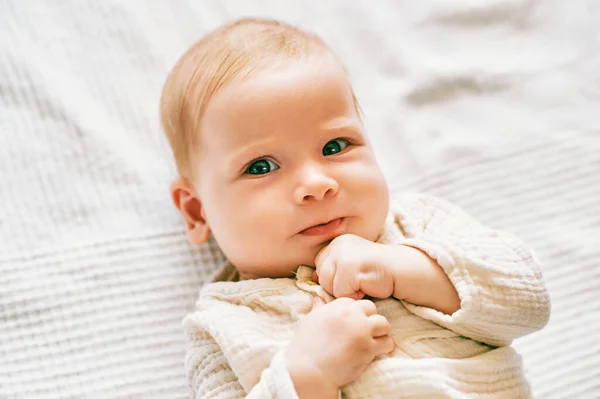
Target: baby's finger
{"x":379,"y":325}
{"x":326,"y":272}
{"x":384,"y":345}
{"x":367,"y":307}
{"x":342,"y":287}
{"x":322,"y":255}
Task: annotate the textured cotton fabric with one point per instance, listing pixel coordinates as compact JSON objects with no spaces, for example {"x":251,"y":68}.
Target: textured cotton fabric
{"x":240,"y":329}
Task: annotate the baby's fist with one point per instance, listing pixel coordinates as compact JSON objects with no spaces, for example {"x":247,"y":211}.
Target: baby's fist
{"x":353,"y":267}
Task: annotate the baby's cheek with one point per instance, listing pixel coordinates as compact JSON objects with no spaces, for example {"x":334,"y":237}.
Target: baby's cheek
{"x":375,"y":206}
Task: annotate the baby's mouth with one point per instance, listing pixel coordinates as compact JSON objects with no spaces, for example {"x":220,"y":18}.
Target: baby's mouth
{"x":324,"y":228}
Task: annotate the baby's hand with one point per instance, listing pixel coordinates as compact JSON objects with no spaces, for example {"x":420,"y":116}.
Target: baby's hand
{"x":333,"y":345}
{"x":353,"y":267}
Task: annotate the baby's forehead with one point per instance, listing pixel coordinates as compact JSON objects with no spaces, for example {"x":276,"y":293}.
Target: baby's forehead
{"x":296,"y":92}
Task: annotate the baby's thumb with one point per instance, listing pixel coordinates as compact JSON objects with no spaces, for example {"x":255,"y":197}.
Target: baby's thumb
{"x":317,"y":302}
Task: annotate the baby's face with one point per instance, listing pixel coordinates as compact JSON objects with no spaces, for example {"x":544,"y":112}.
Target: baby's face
{"x":280,"y":153}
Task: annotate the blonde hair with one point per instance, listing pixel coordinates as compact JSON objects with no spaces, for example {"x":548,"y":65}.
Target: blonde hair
{"x":231,"y":52}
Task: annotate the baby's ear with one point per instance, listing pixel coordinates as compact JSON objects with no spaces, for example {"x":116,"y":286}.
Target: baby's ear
{"x":188,"y":203}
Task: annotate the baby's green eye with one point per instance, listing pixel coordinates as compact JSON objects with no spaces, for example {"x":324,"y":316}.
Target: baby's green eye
{"x":335,"y":146}
{"x":261,"y":167}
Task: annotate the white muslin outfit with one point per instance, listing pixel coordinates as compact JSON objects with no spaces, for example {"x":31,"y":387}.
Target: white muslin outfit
{"x":239,"y":330}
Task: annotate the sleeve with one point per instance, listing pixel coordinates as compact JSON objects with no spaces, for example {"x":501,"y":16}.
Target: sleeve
{"x":497,"y":277}
{"x":209,"y":374}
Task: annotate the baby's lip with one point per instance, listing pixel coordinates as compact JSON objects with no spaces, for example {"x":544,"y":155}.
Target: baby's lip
{"x":323,"y":228}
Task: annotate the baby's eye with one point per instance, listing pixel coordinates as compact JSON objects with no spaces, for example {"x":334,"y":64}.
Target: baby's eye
{"x":261,"y":167}
{"x":335,"y":146}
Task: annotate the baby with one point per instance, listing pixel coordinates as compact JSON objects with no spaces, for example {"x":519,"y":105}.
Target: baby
{"x":414,"y":299}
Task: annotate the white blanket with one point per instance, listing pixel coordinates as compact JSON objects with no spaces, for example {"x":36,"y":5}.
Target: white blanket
{"x":493,"y":105}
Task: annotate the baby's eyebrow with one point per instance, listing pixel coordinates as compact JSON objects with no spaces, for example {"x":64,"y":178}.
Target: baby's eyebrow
{"x":244,"y":153}
{"x":248,"y":148}
{"x":344,"y":124}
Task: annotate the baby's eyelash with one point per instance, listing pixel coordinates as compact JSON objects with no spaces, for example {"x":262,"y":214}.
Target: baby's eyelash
{"x":348,"y":139}
{"x":350,"y":142}
{"x":254,"y":160}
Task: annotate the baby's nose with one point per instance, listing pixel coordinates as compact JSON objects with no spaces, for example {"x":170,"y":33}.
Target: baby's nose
{"x":316,"y":187}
